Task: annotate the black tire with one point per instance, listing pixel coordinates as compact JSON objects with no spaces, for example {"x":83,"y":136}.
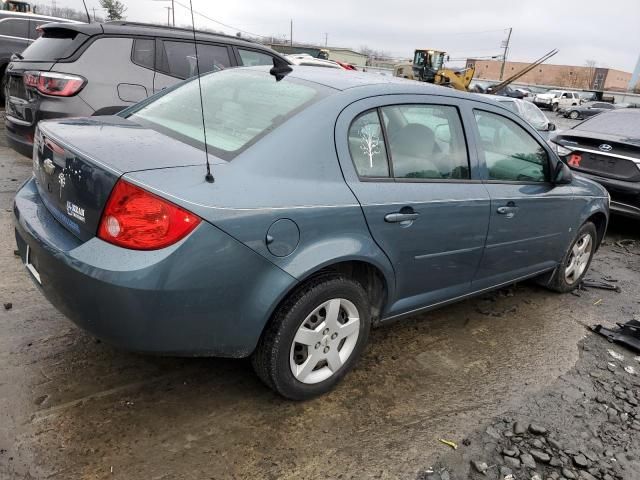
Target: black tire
{"x":573,"y":115}
{"x":3,"y":85}
{"x":554,"y":107}
{"x":558,"y":282}
{"x":271,"y":359}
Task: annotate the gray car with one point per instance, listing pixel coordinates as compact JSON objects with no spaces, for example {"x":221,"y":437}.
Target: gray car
{"x":339,"y":200}
{"x":84,"y":69}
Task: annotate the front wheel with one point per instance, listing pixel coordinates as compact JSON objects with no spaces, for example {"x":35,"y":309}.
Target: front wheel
{"x":573,"y":115}
{"x":314,"y":338}
{"x":576,"y":261}
{"x":554,"y":107}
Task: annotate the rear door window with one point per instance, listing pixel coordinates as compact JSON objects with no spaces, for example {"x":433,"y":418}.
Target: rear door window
{"x":511,"y":153}
{"x":14,"y":27}
{"x":251,"y":58}
{"x":179,"y":58}
{"x":426,"y":142}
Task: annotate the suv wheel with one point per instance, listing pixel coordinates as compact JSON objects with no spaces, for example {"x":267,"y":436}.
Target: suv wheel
{"x":575,"y":264}
{"x":314,"y":338}
{"x":554,"y":107}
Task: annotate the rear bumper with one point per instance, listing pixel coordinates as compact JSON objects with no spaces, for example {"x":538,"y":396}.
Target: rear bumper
{"x":189,"y":299}
{"x":20,"y":132}
{"x":625,"y":196}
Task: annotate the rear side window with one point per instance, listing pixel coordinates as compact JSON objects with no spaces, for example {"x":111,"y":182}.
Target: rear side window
{"x":366,"y":145}
{"x":251,"y":58}
{"x":144,"y":52}
{"x":53,"y":45}
{"x":179,"y":58}
{"x":511,"y":154}
{"x":14,"y":27}
{"x":240,"y":107}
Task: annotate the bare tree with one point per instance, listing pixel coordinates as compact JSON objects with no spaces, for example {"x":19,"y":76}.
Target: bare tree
{"x":369,"y":142}
{"x":115,"y":9}
{"x":591,"y":66}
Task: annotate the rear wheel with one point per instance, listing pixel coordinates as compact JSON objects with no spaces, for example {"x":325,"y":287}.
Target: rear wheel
{"x":576,"y":261}
{"x":573,"y":115}
{"x":554,"y":107}
{"x":314,"y":338}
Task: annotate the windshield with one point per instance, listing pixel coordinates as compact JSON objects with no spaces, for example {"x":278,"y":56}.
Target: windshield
{"x":240,"y":107}
{"x":620,"y":123}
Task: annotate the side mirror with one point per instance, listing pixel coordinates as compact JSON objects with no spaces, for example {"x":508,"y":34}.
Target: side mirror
{"x":551,"y":127}
{"x":563,"y":174}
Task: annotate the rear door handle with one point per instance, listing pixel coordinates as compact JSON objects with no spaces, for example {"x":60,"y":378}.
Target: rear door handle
{"x":509,"y":210}
{"x":401,"y":217}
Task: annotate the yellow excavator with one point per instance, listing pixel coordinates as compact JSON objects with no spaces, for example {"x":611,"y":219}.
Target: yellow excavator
{"x":428,"y":66}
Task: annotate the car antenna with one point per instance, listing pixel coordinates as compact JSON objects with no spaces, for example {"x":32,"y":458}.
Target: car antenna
{"x":86,"y":10}
{"x":208,"y":177}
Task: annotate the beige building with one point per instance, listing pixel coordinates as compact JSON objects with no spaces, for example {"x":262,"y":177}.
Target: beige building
{"x":565,"y":76}
{"x":346,"y":55}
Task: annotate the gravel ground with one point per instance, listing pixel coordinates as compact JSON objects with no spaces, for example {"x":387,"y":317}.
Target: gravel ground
{"x":75,"y":408}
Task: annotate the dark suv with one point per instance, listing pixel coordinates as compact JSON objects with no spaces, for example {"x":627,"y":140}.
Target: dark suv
{"x":99,"y":69}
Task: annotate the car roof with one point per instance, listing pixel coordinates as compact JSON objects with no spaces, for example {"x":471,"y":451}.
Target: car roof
{"x":144,"y":29}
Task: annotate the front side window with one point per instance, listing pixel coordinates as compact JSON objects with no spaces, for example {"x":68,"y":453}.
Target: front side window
{"x":366,"y":144}
{"x":179,"y":58}
{"x":426,"y":141}
{"x":251,"y":58}
{"x":510,"y":152}
{"x":240,"y":107}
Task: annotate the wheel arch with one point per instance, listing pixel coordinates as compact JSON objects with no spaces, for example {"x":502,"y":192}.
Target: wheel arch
{"x":600,"y":220}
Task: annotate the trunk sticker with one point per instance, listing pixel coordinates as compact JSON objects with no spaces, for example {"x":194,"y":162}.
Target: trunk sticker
{"x":75,"y":211}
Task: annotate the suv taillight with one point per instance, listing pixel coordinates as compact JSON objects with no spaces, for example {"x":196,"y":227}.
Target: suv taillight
{"x":53,"y":83}
{"x":136,"y":219}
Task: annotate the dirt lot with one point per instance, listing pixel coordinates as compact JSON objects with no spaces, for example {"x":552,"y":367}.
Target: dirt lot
{"x":74,"y":408}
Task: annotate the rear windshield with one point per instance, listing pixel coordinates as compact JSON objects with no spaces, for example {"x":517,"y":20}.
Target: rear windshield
{"x":54,"y":44}
{"x":240,"y":107}
{"x":621,"y":124}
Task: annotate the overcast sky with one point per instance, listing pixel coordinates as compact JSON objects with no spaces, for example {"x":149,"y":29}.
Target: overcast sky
{"x":605,"y":31}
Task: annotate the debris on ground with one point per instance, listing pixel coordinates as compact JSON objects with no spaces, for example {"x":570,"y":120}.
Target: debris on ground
{"x":627,"y":334}
{"x":8,"y":306}
{"x":449,"y":443}
{"x":585,"y":426}
{"x":588,"y":283}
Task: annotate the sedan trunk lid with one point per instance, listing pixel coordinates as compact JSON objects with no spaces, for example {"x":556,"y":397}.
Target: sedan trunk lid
{"x":75,"y":185}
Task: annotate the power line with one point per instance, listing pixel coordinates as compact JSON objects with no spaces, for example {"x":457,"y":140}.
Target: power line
{"x":221,"y":23}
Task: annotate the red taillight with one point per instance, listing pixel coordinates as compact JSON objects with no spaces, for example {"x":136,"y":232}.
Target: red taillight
{"x":136,"y":219}
{"x":53,"y":83}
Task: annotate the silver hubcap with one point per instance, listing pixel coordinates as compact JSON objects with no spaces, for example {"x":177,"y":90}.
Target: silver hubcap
{"x":578,"y":259}
{"x":325,"y":341}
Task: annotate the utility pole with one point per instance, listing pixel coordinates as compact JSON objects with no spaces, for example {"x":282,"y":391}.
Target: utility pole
{"x":168,"y":16}
{"x":505,"y":44}
{"x":291,"y":33}
{"x":173,"y":13}
{"x":94,"y":13}
{"x":326,"y":39}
